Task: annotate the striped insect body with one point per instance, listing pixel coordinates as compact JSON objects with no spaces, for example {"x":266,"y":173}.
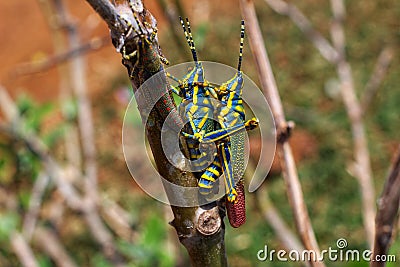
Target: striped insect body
{"x":198,"y":108}
{"x":227,"y":131}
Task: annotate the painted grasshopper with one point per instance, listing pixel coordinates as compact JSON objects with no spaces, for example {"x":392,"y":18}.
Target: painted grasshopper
{"x":198,"y":108}
{"x":197,"y":93}
{"x":227,"y":132}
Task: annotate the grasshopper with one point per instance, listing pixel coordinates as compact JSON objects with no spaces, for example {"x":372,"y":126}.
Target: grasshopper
{"x":230,"y":115}
{"x":198,"y":109}
{"x":227,"y":133}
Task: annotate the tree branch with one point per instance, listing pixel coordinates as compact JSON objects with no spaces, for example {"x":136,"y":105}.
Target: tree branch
{"x":272,"y":216}
{"x":191,"y":223}
{"x":23,"y":250}
{"x":388,"y":208}
{"x":269,"y":87}
{"x":336,"y":55}
{"x":58,"y":175}
{"x":35,"y":145}
{"x":108,"y":13}
{"x":55,"y":24}
{"x":53,"y":247}
{"x":7,"y":106}
{"x":267,"y":210}
{"x":35,"y":203}
{"x":86,"y":130}
{"x":380,"y":71}
{"x":303,"y":23}
{"x":171,"y":15}
{"x":118,"y":220}
{"x":362,"y":165}
{"x":43,"y":65}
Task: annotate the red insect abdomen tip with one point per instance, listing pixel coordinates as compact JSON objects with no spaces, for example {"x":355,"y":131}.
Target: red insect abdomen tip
{"x":237,"y":211}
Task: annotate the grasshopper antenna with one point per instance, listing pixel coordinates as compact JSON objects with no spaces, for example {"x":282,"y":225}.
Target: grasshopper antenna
{"x":241,"y":46}
{"x":189,"y":37}
{"x":192,"y":47}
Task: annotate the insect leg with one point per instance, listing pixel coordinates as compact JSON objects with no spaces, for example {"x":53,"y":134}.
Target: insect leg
{"x":169,"y":75}
{"x":226,"y":132}
{"x":225,"y":154}
{"x":210,"y":175}
{"x":176,"y":90}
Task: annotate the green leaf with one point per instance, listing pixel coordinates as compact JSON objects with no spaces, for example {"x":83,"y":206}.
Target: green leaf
{"x":100,"y":261}
{"x":132,"y":251}
{"x":357,"y":264}
{"x":54,"y":136}
{"x":69,"y":109}
{"x":8,"y":223}
{"x":24,"y":198}
{"x":153,"y":232}
{"x":154,"y":240}
{"x":35,"y":116}
{"x":44,"y":261}
{"x":133,"y":118}
{"x":24,"y":103}
{"x":28,"y":163}
{"x":200,"y":35}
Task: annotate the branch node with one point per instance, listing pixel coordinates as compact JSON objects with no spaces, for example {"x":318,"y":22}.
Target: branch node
{"x":284,"y":131}
{"x":209,"y":221}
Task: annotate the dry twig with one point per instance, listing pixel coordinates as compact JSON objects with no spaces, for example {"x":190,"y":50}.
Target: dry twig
{"x":37,"y":147}
{"x":23,"y":250}
{"x":269,"y":87}
{"x":267,"y":210}
{"x":171,"y":15}
{"x":53,"y":247}
{"x":388,"y":208}
{"x":35,"y":203}
{"x":52,"y":168}
{"x":56,"y":26}
{"x":85,"y":118}
{"x":304,"y":24}
{"x":86,"y":130}
{"x":272,"y":216}
{"x":336,"y":55}
{"x":379,"y":73}
{"x":58,"y":175}
{"x":7,"y":106}
{"x":118,"y":220}
{"x":361,"y":166}
{"x":43,"y":65}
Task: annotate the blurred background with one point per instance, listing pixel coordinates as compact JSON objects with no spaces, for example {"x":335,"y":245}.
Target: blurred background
{"x":63,"y":97}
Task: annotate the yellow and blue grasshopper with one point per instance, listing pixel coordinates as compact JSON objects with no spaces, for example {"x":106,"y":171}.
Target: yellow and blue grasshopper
{"x":198,"y":108}
{"x":229,"y":129}
{"x":231,"y":118}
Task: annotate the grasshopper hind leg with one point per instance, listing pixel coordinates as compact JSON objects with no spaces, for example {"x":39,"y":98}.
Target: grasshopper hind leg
{"x":207,"y":182}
